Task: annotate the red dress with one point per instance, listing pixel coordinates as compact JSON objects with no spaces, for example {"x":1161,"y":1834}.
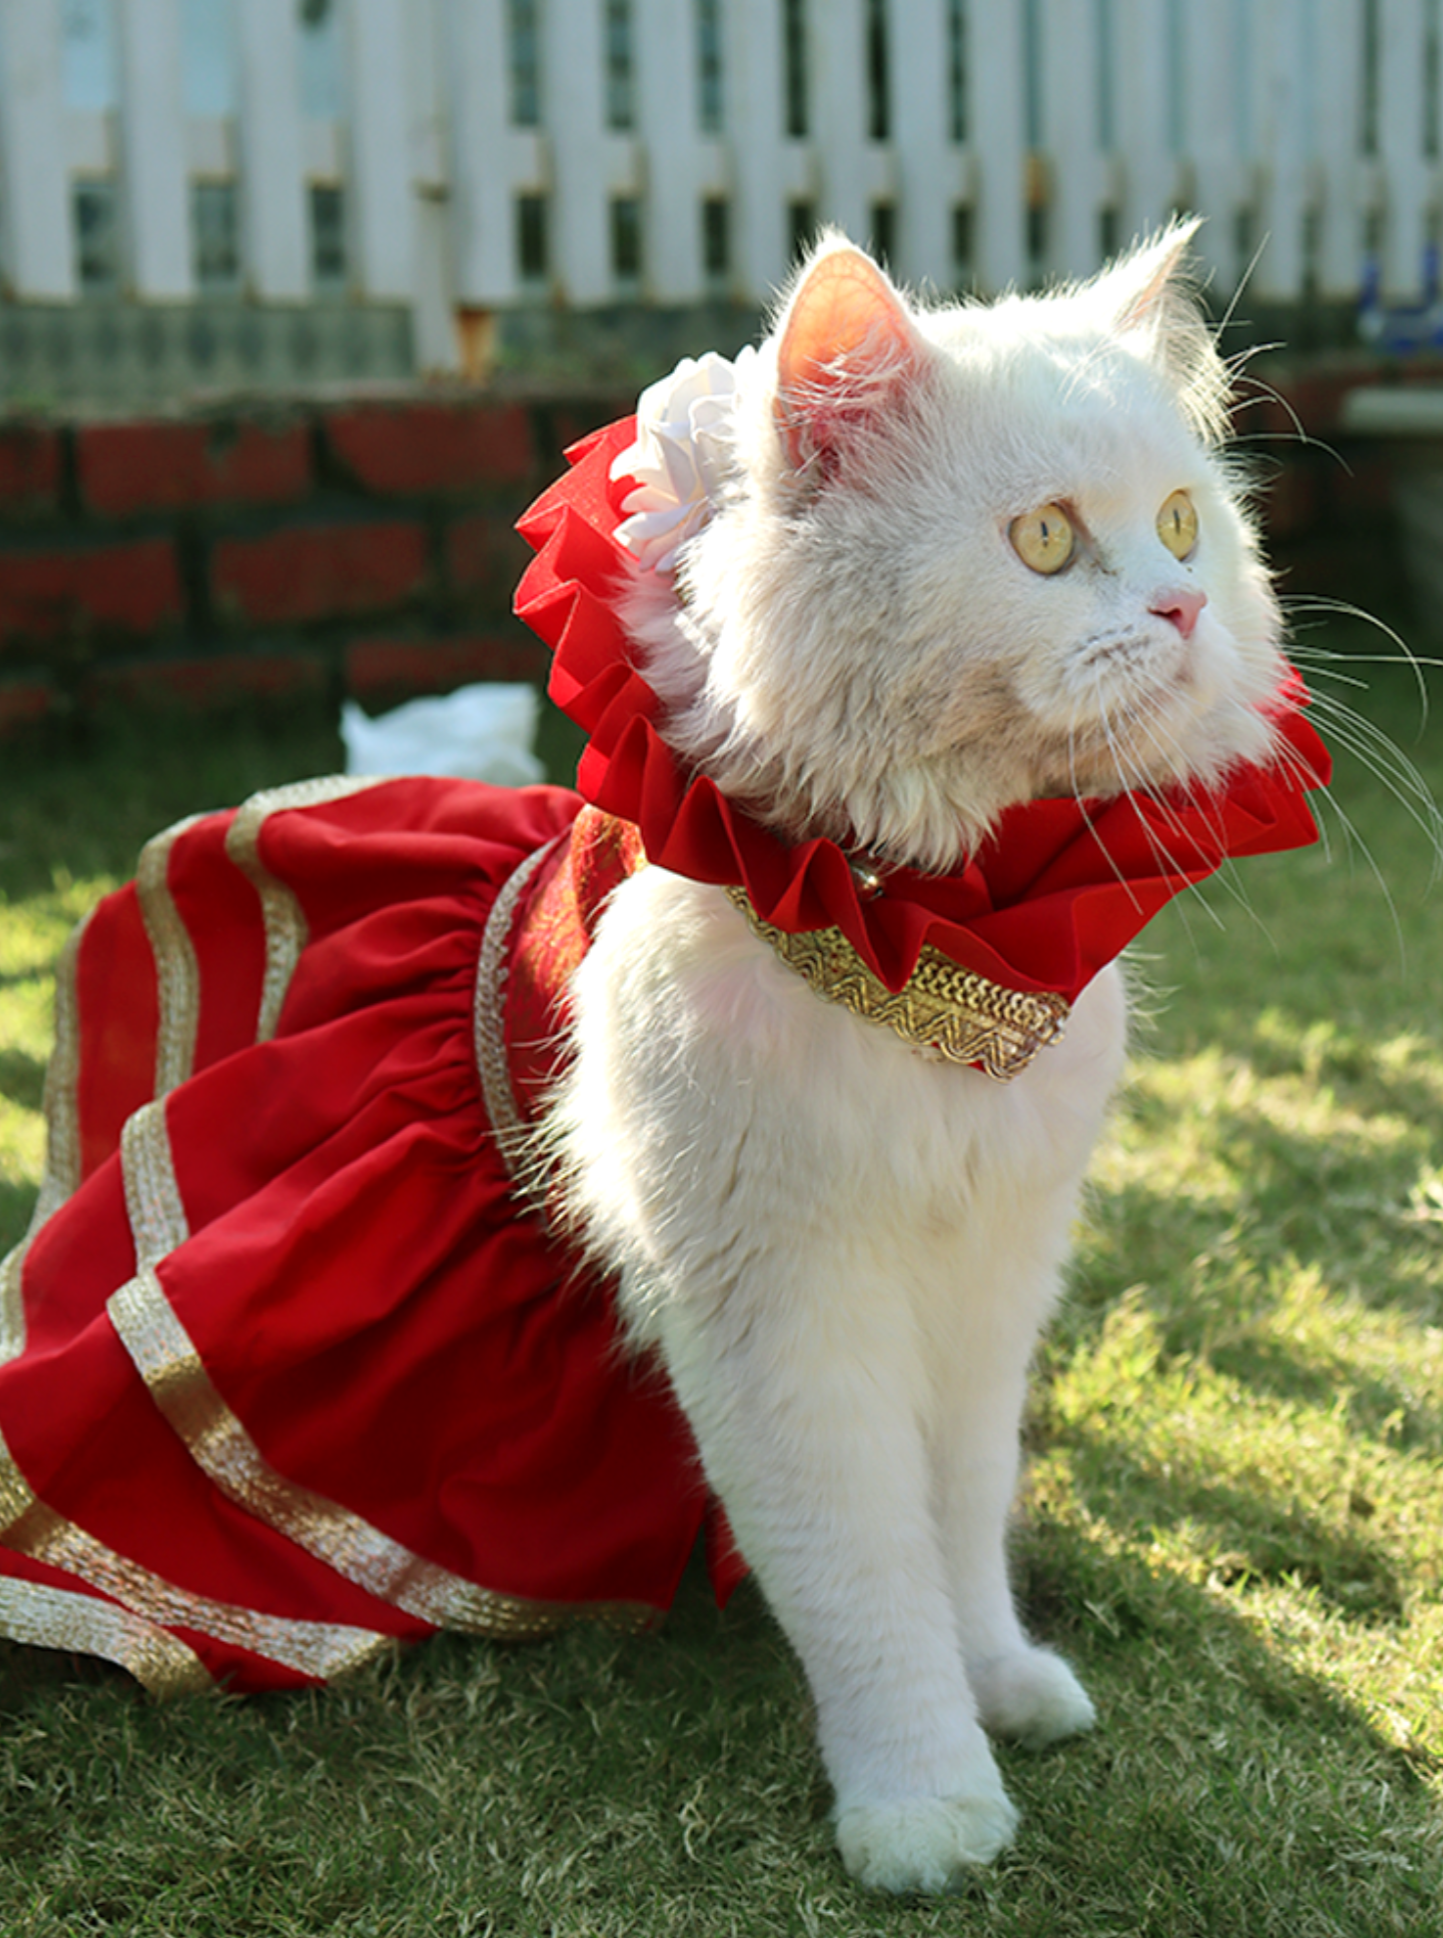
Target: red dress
{"x":289,"y":1369}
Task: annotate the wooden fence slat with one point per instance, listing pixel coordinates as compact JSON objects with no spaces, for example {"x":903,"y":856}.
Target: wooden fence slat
{"x":838,"y":131}
{"x":435,"y":343}
{"x":574,"y":84}
{"x":1213,"y":131}
{"x":384,"y":224}
{"x":1144,"y":126}
{"x":153,"y":150}
{"x":1069,"y":56}
{"x":995,"y":117}
{"x":754,"y":126}
{"x":1283,"y":186}
{"x":481,"y":187}
{"x":274,"y":217}
{"x":1338,"y":38}
{"x":40,"y":258}
{"x":1400,"y":142}
{"x":666,"y":68}
{"x":927,"y":162}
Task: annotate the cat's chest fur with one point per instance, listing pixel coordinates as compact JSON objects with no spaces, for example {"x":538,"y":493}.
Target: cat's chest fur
{"x":776,"y":1117}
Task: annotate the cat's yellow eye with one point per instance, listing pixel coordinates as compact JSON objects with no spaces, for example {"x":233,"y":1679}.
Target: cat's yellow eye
{"x":1177,"y":525}
{"x":1043,"y":539}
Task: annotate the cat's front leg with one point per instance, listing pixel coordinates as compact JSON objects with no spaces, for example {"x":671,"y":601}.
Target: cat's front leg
{"x":1024,"y":1692}
{"x":991,"y":1295}
{"x":804,"y":1404}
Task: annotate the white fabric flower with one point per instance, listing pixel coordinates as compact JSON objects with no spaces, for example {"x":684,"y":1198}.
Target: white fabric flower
{"x":681,"y":458}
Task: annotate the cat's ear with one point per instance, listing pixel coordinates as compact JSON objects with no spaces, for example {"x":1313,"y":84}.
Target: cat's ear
{"x":846,"y":343}
{"x":1147,"y":300}
{"x":1143,"y":288}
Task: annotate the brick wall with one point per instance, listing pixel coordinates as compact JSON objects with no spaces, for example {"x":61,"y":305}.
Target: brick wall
{"x":360,"y":546}
{"x":365,"y":546}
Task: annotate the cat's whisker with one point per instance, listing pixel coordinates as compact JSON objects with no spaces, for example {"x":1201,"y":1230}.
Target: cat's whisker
{"x":1319,"y":670}
{"x":1237,"y":295}
{"x":1134,"y":779}
{"x":1355,"y":840}
{"x":1081,"y":798}
{"x":1260,"y":388}
{"x":1372,"y":749}
{"x":1224,"y":876}
{"x":1326,"y":606}
{"x":1303,"y":653}
{"x":1290,"y":759}
{"x":1368,"y":743}
{"x":1147,"y":721}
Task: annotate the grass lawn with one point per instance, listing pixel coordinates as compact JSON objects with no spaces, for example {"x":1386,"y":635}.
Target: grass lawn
{"x":1233,"y":1521}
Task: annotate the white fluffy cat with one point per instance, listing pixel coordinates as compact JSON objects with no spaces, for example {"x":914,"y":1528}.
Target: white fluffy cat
{"x":966,"y":557}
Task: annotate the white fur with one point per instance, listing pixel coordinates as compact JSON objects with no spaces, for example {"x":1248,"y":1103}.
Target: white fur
{"x":843,"y":1251}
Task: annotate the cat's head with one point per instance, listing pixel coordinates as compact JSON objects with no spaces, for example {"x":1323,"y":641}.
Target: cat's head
{"x":966,"y":556}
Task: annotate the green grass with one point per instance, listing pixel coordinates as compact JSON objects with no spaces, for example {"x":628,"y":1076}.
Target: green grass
{"x":1233,"y":1520}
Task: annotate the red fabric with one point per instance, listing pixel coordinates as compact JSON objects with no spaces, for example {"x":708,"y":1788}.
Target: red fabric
{"x":1060,"y":889}
{"x":393,"y":1330}
{"x":554,"y":923}
{"x":115,"y":983}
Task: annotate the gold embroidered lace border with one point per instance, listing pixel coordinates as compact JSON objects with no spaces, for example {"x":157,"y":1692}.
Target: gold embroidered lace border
{"x":943,"y":1011}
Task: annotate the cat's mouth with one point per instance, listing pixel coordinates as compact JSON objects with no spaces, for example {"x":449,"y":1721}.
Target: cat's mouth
{"x":1142,"y":658}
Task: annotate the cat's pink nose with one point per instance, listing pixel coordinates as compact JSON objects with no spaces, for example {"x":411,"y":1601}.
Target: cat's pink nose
{"x":1180,"y":604}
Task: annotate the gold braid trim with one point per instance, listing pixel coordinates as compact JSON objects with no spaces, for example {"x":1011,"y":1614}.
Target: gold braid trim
{"x":62,"y":1153}
{"x":320,"y":1649}
{"x":287,"y":931}
{"x":489,"y":1011}
{"x":62,"y":1618}
{"x":166,"y":1358}
{"x":177,"y":973}
{"x":943,"y":1011}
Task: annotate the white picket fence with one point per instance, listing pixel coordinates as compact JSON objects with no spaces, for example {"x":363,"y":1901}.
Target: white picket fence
{"x":464,"y":156}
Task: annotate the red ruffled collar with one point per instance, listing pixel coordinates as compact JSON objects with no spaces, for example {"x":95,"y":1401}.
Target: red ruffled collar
{"x":1057,"y":891}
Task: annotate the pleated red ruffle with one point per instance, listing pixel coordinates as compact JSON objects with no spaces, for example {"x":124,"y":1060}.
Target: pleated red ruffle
{"x":1059,"y":890}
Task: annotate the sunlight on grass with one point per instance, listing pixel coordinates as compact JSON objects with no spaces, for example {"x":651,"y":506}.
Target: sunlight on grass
{"x":33,"y":929}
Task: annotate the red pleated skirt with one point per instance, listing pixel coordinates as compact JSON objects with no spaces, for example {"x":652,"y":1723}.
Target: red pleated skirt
{"x":289,"y":1370}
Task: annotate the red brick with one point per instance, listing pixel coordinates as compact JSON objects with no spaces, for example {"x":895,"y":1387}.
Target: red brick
{"x":202,"y":683}
{"x":485,"y":557}
{"x":1290,"y":504}
{"x":22,"y":705}
{"x":1363,"y":488}
{"x":49,"y":594}
{"x":421,"y":448}
{"x":574,"y":421}
{"x":468,"y":552}
{"x":390,"y":669}
{"x":29,"y":467}
{"x":150,"y":466}
{"x":306,"y":572}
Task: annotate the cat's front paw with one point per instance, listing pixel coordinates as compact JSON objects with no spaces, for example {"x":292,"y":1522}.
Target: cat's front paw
{"x":924,"y":1843}
{"x":1031,"y":1696}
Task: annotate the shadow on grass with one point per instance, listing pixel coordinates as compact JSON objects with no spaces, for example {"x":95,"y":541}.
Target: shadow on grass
{"x":1256,"y":1539}
{"x":1242,"y":1794}
{"x":22,"y":1078}
{"x":669,"y":1784}
{"x":1376,"y":1408}
{"x":17,"y":1201}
